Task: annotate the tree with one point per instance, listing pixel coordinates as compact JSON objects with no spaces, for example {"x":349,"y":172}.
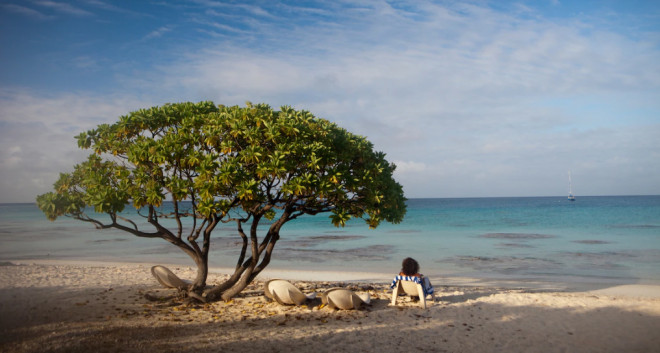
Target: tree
{"x":224,"y":164}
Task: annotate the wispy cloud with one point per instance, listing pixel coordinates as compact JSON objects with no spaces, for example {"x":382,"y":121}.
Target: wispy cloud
{"x":468,"y":100}
{"x":214,"y":24}
{"x":472,"y":101}
{"x":247,"y":8}
{"x":157,"y":33}
{"x":409,"y":167}
{"x":63,"y":7}
{"x":37,"y":136}
{"x":26,"y":11}
{"x":493,"y":62}
{"x":85,"y":63}
{"x":107,"y":6}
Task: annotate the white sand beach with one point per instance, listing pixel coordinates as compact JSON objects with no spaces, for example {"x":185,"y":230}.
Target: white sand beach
{"x":103,"y":307}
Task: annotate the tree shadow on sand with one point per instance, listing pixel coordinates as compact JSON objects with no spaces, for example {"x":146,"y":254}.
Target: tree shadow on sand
{"x":479,"y":327}
{"x":461,"y":319}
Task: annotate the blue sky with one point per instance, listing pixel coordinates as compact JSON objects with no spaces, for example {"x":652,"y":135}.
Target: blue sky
{"x":468,"y":98}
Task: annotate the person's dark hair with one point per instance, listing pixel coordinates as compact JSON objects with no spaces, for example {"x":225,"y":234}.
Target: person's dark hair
{"x":409,"y":266}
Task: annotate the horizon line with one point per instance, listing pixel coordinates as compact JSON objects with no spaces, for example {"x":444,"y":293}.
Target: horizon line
{"x":442,"y":197}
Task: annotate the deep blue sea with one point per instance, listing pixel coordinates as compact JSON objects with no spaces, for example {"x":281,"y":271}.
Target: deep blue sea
{"x":609,"y":240}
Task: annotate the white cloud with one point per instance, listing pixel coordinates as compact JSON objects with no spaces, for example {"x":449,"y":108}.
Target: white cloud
{"x":467,"y":100}
{"x":403,"y":167}
{"x":480,"y":95}
{"x":85,"y":63}
{"x":26,"y":11}
{"x":13,"y":157}
{"x":37,"y":137}
{"x":494,"y":64}
{"x":63,"y":112}
{"x":158,"y":32}
{"x":63,"y":8}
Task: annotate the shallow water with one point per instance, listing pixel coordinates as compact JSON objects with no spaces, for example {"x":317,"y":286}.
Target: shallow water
{"x":614,"y":240}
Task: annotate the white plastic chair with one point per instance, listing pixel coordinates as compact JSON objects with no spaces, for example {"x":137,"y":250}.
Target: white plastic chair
{"x":411,"y":288}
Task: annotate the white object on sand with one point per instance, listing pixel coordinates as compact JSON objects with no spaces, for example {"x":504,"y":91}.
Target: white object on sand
{"x":340,"y":298}
{"x":285,"y":293}
{"x":412,"y":289}
{"x":167,"y":278}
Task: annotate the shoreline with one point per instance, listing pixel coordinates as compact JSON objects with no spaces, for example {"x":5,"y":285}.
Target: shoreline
{"x":595,"y":252}
{"x":649,"y":290}
{"x":94,"y":306}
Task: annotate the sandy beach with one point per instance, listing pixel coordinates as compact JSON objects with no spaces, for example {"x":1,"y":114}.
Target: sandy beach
{"x":111,"y":307}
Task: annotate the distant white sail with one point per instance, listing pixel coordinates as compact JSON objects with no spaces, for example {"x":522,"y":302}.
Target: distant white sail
{"x":570,"y":188}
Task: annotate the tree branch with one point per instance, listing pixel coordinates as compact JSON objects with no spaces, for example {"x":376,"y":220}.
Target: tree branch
{"x":245,"y":244}
{"x":99,"y":225}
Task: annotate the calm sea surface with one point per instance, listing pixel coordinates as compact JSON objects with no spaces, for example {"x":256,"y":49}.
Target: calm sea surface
{"x":609,"y":240}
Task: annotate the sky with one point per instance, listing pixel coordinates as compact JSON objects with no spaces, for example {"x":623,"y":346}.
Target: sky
{"x":468,"y":98}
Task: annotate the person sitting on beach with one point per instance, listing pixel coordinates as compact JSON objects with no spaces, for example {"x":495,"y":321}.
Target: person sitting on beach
{"x":410,"y":268}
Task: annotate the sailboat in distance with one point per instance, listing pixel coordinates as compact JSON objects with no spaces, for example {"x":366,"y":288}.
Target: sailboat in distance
{"x":570,"y":188}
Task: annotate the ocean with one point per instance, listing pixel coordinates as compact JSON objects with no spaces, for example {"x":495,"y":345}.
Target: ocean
{"x":611,"y":240}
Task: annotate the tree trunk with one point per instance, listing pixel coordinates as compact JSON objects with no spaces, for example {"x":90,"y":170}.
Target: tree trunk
{"x":246,"y":272}
{"x":202,"y":273}
{"x":238,"y":286}
{"x":200,"y":259}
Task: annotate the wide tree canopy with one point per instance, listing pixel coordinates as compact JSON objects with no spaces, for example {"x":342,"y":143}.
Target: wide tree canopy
{"x":224,"y":164}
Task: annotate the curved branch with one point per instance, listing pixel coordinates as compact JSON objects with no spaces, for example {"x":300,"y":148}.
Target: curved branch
{"x":99,"y":225}
{"x":178,"y":218}
{"x":129,"y":221}
{"x":245,"y":244}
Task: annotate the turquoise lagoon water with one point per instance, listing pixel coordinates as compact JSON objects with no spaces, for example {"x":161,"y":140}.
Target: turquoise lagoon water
{"x":608,"y":240}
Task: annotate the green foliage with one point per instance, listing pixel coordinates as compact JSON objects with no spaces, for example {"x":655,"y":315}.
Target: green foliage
{"x":253,"y":159}
{"x":230,"y":164}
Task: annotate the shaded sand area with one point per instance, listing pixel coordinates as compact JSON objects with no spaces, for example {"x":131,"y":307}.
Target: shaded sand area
{"x":59,"y":307}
